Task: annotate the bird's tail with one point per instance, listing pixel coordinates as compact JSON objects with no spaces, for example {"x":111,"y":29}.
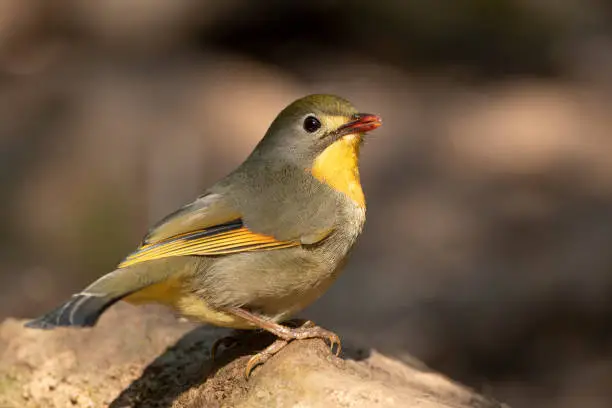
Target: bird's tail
{"x":82,"y":310}
{"x":85,"y":307}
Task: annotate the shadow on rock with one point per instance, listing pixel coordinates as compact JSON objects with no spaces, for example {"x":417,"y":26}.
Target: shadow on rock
{"x":185,"y":375}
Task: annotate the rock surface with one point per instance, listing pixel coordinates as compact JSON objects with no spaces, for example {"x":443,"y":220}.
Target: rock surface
{"x":141,"y":357}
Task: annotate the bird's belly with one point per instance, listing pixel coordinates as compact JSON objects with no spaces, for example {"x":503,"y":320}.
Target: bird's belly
{"x":172,"y":293}
{"x":194,"y":307}
{"x":298,"y":292}
{"x":294,"y":304}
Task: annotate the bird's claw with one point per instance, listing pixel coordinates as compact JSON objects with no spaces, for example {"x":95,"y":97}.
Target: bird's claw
{"x":307,"y":330}
{"x":335,"y":341}
{"x":264,"y":356}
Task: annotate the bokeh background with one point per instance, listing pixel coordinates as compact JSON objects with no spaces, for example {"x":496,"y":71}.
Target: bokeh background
{"x":487,"y":251}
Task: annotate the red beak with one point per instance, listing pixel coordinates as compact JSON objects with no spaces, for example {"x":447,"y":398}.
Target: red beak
{"x":364,"y":122}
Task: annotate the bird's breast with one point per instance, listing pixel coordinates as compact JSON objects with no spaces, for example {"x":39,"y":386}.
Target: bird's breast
{"x":338,"y":167}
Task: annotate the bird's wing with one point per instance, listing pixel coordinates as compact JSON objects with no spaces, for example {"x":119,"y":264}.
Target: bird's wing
{"x":208,"y":226}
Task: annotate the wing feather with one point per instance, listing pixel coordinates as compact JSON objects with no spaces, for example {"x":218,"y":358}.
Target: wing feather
{"x":229,"y":238}
{"x":209,"y":210}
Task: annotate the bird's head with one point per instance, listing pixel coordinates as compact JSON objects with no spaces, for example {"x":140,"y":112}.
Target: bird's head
{"x":305,"y":129}
{"x":321,"y":134}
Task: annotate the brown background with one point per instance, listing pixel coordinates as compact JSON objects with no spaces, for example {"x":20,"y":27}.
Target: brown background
{"x":487,"y":248}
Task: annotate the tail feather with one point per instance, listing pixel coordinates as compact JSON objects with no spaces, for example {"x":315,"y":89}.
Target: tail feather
{"x":82,"y":310}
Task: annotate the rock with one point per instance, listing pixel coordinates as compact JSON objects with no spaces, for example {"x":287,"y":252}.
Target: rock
{"x":143,"y":357}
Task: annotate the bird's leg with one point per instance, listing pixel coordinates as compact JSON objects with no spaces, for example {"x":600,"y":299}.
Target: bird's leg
{"x":308,"y":330}
{"x":234,"y":338}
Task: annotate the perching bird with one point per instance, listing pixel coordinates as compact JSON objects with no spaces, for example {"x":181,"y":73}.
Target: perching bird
{"x":259,"y":245}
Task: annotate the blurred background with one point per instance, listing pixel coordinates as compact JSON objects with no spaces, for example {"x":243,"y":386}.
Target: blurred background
{"x":487,"y":251}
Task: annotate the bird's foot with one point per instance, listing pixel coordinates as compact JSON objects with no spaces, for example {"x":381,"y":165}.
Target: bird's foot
{"x":286,"y":334}
{"x":239,"y":336}
{"x":264,"y":356}
{"x":307,"y":330}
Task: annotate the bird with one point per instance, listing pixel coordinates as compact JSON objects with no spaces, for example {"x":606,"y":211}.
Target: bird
{"x":260,"y":244}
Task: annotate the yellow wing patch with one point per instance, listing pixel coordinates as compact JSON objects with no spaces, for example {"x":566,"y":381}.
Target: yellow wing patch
{"x":223,"y":239}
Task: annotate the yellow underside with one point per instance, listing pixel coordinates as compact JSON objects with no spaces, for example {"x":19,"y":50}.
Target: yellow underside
{"x":171,"y":293}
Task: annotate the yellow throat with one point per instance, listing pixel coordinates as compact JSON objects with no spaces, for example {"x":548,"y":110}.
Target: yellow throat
{"x":337,"y":166}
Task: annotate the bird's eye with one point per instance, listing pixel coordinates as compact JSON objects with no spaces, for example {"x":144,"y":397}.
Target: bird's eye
{"x":311,"y":124}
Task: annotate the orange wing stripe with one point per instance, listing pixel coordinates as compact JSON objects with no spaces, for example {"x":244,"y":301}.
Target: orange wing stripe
{"x":225,"y":239}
